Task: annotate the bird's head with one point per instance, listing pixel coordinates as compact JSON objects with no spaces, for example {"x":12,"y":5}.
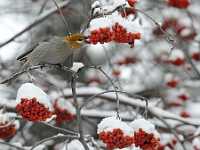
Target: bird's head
{"x":75,"y":40}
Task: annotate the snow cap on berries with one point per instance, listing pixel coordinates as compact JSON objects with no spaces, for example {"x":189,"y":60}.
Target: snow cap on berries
{"x":29,"y":90}
{"x":66,"y":104}
{"x":33,"y":104}
{"x":110,"y":123}
{"x":8,"y":127}
{"x":145,"y":125}
{"x":97,"y":23}
{"x":176,"y":54}
{"x":64,"y":111}
{"x":130,"y":148}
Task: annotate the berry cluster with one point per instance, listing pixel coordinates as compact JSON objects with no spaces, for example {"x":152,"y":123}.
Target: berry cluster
{"x":32,"y":110}
{"x":177,"y":62}
{"x":126,"y":61}
{"x":172,"y":83}
{"x":185,"y":114}
{"x":116,"y":73}
{"x":117,"y":34}
{"x":171,"y":145}
{"x":145,"y":140}
{"x":132,"y":2}
{"x":196,"y":56}
{"x":7,"y":130}
{"x":182,"y":4}
{"x":184,"y":97}
{"x":116,"y":139}
{"x":62,"y":115}
{"x":178,"y":28}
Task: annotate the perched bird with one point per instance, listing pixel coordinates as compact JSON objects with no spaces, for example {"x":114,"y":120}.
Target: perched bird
{"x":57,"y":50}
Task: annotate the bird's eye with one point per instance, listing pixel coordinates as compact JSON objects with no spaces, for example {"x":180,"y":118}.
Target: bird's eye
{"x":80,"y":40}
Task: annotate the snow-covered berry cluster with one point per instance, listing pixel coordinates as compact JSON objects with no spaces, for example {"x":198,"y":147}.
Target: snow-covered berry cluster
{"x":33,"y":104}
{"x":184,"y":32}
{"x":8,"y":127}
{"x":32,"y":110}
{"x":64,"y":111}
{"x":117,"y":34}
{"x":116,"y":134}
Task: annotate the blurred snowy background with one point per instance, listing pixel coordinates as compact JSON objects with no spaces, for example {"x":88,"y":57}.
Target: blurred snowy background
{"x":169,"y":78}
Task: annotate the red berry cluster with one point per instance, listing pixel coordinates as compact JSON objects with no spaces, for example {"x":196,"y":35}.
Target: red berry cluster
{"x":116,"y":139}
{"x":177,"y":27}
{"x":62,"y":115}
{"x":118,"y":34}
{"x":103,"y":35}
{"x":185,"y":114}
{"x":171,"y":145}
{"x":177,"y":62}
{"x":146,"y":141}
{"x":116,"y":73}
{"x":183,"y":97}
{"x":32,"y":110}
{"x":7,"y":130}
{"x":126,"y":61}
{"x":196,"y":56}
{"x":179,"y":3}
{"x":172,"y":83}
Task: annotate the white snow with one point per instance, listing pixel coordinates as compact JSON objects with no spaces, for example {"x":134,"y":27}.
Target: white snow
{"x":75,"y":145}
{"x":103,"y":22}
{"x":196,"y":143}
{"x":176,"y":54}
{"x":66,"y":104}
{"x":110,"y":123}
{"x":145,"y":125}
{"x":29,"y":90}
{"x":130,"y":148}
{"x":76,"y":66}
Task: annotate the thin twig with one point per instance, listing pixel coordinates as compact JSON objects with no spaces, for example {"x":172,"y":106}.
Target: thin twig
{"x":62,"y":17}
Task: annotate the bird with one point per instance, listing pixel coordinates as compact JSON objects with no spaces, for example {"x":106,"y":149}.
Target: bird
{"x":56,"y":50}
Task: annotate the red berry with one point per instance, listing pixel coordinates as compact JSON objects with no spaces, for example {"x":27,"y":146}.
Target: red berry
{"x":184,"y":114}
{"x":196,"y":56}
{"x":172,"y":83}
{"x":183,"y":97}
{"x":132,"y":2}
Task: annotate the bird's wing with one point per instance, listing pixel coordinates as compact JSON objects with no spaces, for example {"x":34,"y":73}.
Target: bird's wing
{"x":24,"y":55}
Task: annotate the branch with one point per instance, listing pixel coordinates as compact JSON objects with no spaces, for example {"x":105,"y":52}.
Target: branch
{"x":11,"y":145}
{"x":52,"y":138}
{"x":37,"y":21}
{"x":78,"y":111}
{"x":124,"y":99}
{"x":14,"y":76}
